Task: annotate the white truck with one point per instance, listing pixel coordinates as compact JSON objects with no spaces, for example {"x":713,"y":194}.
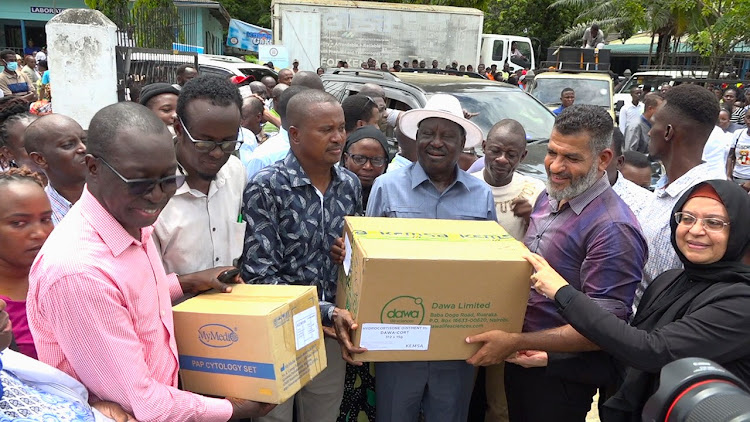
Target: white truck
{"x":320,"y":33}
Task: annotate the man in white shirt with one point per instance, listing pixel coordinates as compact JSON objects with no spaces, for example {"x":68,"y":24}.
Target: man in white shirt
{"x":631,"y":112}
{"x":201,"y":227}
{"x":407,"y":151}
{"x":514,"y":195}
{"x":738,"y":166}
{"x":680,"y":128}
{"x":633,"y":195}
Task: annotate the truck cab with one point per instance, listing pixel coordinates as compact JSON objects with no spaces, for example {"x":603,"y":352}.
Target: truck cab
{"x":497,"y":49}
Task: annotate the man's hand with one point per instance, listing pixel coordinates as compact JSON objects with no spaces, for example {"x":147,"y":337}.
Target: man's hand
{"x":337,"y":251}
{"x":498,"y":345}
{"x":30,"y":97}
{"x":344,"y":324}
{"x":245,"y":409}
{"x":529,"y":359}
{"x":546,"y":281}
{"x":113,"y":411}
{"x":468,"y":115}
{"x":521,"y":208}
{"x":207,"y":280}
{"x":330,"y":332}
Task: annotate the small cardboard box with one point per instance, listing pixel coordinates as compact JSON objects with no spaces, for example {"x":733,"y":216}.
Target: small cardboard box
{"x":260,"y":342}
{"x":418,"y":287}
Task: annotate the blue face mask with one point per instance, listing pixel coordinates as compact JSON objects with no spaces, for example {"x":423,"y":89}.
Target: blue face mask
{"x":12,"y":66}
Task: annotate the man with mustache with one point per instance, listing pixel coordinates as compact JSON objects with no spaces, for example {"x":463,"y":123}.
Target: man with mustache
{"x":295,"y":211}
{"x":56,"y":144}
{"x":585,"y":231}
{"x":432,"y":187}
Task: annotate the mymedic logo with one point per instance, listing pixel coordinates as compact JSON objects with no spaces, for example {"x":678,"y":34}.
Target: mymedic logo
{"x":217,"y":335}
{"x":403,"y":310}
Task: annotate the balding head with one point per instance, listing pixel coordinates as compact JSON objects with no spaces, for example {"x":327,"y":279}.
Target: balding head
{"x":285,"y":76}
{"x":308,"y":79}
{"x":252,"y":114}
{"x":42,"y":133}
{"x":278,"y":90}
{"x":258,"y":88}
{"x":372,"y":90}
{"x":269,"y":82}
{"x":504,"y":150}
{"x":109,"y":123}
{"x":297,"y":111}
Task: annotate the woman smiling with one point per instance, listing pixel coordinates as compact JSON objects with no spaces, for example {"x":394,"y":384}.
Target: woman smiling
{"x":702,"y":310}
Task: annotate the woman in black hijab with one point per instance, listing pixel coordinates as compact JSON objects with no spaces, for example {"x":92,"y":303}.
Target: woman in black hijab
{"x":366,"y":155}
{"x":702,"y":310}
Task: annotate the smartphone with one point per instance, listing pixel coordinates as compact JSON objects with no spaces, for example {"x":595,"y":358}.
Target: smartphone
{"x":227,"y":275}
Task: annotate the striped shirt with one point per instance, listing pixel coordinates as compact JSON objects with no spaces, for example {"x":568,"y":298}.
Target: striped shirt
{"x":595,"y":243}
{"x":60,"y":205}
{"x":99,"y":308}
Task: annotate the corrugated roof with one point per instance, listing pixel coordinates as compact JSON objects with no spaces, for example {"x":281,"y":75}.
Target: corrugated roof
{"x":639,"y":44}
{"x":378,"y":5}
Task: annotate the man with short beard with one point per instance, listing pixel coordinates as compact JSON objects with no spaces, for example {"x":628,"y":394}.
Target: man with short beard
{"x":587,"y":234}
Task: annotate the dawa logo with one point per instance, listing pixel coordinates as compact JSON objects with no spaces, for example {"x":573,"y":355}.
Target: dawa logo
{"x":217,"y":335}
{"x":403,"y":310}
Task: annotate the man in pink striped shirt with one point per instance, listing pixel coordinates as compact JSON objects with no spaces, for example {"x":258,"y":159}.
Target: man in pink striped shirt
{"x":99,"y":303}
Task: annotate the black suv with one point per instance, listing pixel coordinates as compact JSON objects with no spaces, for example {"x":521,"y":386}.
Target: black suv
{"x":494,"y":101}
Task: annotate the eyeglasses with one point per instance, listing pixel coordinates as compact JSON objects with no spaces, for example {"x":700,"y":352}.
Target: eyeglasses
{"x":139,"y":187}
{"x":208,"y":146}
{"x":711,"y":223}
{"x":360,"y":160}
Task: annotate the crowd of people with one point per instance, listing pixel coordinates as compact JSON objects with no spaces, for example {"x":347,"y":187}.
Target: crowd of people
{"x":104,"y":228}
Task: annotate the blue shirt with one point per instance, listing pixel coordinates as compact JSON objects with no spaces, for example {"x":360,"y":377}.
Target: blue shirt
{"x":291,"y":227}
{"x":558,"y":110}
{"x":267,"y":153}
{"x":409,"y":193}
{"x":595,"y":243}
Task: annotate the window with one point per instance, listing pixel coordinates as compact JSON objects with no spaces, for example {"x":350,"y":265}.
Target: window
{"x":497,"y":51}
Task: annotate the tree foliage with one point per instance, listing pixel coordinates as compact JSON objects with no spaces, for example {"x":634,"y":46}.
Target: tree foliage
{"x":530,"y":18}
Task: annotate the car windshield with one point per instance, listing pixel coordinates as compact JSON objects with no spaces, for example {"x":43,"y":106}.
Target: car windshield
{"x":650,"y":82}
{"x":494,"y":106}
{"x":588,"y":91}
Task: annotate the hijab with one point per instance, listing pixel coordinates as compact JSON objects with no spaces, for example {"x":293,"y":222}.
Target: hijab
{"x":668,"y":298}
{"x":729,"y":268}
{"x":368,"y":132}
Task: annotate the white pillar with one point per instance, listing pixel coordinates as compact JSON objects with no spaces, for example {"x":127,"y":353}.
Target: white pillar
{"x":81,"y":57}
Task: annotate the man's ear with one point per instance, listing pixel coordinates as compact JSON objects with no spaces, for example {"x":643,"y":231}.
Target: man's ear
{"x":293,"y":134}
{"x":39,"y":160}
{"x":523,"y":155}
{"x":605,"y":157}
{"x":92,"y":165}
{"x":620,"y":161}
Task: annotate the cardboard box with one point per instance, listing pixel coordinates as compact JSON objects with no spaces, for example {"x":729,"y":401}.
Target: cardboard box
{"x":418,"y":287}
{"x":260,"y":342}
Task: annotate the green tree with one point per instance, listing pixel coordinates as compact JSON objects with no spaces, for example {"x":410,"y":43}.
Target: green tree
{"x":531,"y":18}
{"x":716,"y":28}
{"x":256,"y":12}
{"x":116,"y":10}
{"x":156,"y":23}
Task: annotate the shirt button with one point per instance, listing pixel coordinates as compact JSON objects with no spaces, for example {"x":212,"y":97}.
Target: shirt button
{"x":162,"y":313}
{"x":214,"y":229}
{"x":217,"y":259}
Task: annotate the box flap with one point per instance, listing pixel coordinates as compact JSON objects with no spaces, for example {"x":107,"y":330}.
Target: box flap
{"x":245,"y":299}
{"x":414,"y":238}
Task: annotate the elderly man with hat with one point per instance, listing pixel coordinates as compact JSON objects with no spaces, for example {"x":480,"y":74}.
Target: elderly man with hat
{"x":432,"y":187}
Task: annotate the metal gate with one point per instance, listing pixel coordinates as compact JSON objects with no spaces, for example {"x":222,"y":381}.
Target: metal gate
{"x":137,"y":67}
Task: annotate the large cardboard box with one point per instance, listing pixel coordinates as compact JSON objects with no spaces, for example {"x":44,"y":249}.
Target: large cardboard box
{"x":418,"y":287}
{"x":259,"y":342}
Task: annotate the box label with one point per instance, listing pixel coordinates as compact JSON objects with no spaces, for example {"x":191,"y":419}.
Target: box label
{"x":228,"y":366}
{"x":395,"y":337}
{"x":442,"y":237}
{"x":305,"y":327}
{"x":348,"y":256}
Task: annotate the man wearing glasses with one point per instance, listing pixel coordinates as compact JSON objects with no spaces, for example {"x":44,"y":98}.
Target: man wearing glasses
{"x":99,"y":302}
{"x":296,"y":209}
{"x":206,"y":209}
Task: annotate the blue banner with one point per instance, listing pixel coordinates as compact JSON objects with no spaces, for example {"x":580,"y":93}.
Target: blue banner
{"x":227,"y":366}
{"x":246,"y":36}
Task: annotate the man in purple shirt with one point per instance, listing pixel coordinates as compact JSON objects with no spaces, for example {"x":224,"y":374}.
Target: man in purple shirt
{"x":589,"y":236}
